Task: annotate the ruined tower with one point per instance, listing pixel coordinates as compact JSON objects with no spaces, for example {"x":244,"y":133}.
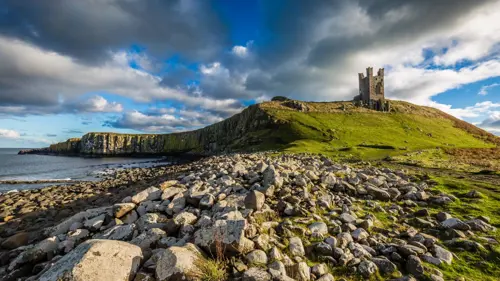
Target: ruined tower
{"x":371,"y":88}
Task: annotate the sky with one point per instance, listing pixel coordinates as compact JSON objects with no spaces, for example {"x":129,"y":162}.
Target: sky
{"x":68,"y":67}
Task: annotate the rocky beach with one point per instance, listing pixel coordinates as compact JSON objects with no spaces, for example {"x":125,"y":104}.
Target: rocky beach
{"x":240,"y":217}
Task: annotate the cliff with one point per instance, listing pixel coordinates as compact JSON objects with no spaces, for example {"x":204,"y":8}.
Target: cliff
{"x":219,"y":137}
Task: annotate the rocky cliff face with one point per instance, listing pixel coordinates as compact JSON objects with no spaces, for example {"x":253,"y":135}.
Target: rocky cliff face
{"x":220,"y":137}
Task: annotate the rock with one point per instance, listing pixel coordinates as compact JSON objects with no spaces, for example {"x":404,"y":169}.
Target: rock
{"x":118,"y":232}
{"x":299,"y":271}
{"x":41,"y":251}
{"x":171,"y":192}
{"x":228,"y":233}
{"x":151,"y":220}
{"x":480,"y":225}
{"x":295,"y":247}
{"x":367,"y":268}
{"x":121,"y":209}
{"x":318,"y":228}
{"x":179,"y":263}
{"x":443,"y":254}
{"x":95,"y":223}
{"x":97,"y":260}
{"x":277,"y":269}
{"x":256,"y":257}
{"x":16,"y":240}
{"x":442,"y":216}
{"x":263,"y":242}
{"x":359,"y":234}
{"x":130,"y":218}
{"x":474,"y":194}
{"x":455,"y":224}
{"x":255,"y":200}
{"x":152,"y":193}
{"x":272,"y":177}
{"x":347,"y":218}
{"x":414,"y":266}
{"x":384,"y":265}
{"x":146,"y":239}
{"x":343,"y":239}
{"x":319,"y":269}
{"x":256,"y":274}
{"x":378,"y":193}
{"x":182,"y":218}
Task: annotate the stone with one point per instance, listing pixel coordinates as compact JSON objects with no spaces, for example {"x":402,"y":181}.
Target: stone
{"x":480,"y":225}
{"x":384,"y":265}
{"x":181,"y":219}
{"x":179,"y":263}
{"x":414,"y":266}
{"x":296,"y":247}
{"x":229,"y":233}
{"x":318,"y":228}
{"x":263,"y":242}
{"x":347,"y":218}
{"x":170,"y":192}
{"x":443,"y":254}
{"x":442,"y":216}
{"x":272,"y":177}
{"x":99,"y":260}
{"x":130,"y":218}
{"x":256,"y":257}
{"x":277,"y":269}
{"x":343,"y":239}
{"x":152,"y":193}
{"x":41,"y":251}
{"x":147,"y":239}
{"x":455,"y":224}
{"x":319,"y":269}
{"x":151,"y":220}
{"x":359,"y":234}
{"x":255,"y":200}
{"x":256,"y":274}
{"x":207,"y":201}
{"x":121,"y":209}
{"x":367,"y":268}
{"x":16,"y":240}
{"x":299,"y":271}
{"x":95,"y":223}
{"x":118,"y":232}
{"x":378,"y":193}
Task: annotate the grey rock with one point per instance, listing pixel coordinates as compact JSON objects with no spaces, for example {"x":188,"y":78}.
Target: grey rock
{"x":256,"y":257}
{"x":255,"y":200}
{"x":296,"y":247}
{"x":152,"y":193}
{"x":97,"y":260}
{"x":256,"y":274}
{"x":179,"y":263}
{"x":367,"y":268}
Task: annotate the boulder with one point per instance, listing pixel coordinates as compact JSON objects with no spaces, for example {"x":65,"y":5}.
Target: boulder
{"x":118,"y":232}
{"x":16,"y":240}
{"x":455,"y":224}
{"x":318,"y":228}
{"x":255,"y":200}
{"x":378,"y":193}
{"x":272,"y":177}
{"x":229,"y":234}
{"x":43,"y":250}
{"x":296,"y":247}
{"x":180,"y":263}
{"x":256,"y":274}
{"x":121,"y":209}
{"x":367,"y":268}
{"x":256,"y":257}
{"x":152,"y":193}
{"x":97,"y":260}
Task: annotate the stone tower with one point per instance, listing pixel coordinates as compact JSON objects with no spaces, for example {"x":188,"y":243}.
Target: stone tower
{"x":371,"y":88}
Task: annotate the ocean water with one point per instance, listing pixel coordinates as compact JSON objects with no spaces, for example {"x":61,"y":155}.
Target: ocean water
{"x":45,"y":167}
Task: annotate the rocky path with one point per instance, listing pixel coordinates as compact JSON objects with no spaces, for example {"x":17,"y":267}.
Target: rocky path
{"x":255,"y":217}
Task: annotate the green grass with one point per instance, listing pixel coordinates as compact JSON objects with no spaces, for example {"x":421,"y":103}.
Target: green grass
{"x":367,"y":135}
{"x":480,"y":265}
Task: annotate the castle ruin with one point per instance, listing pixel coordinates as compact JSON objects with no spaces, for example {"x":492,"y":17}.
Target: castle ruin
{"x":371,"y":90}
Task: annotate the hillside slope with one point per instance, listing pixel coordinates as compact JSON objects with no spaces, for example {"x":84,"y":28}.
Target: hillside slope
{"x":332,"y":128}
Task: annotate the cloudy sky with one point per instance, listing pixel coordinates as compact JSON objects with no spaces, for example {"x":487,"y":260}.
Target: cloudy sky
{"x":68,"y":67}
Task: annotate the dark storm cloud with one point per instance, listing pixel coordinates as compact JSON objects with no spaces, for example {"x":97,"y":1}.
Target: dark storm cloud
{"x":88,"y":30}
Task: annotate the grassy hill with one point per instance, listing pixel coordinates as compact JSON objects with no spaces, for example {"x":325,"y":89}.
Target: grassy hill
{"x":408,"y":133}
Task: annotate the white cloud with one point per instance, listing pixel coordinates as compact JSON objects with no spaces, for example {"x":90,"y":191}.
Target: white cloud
{"x":240,"y":51}
{"x":484,"y":89}
{"x":99,"y":104}
{"x":21,"y":62}
{"x":9,"y":134}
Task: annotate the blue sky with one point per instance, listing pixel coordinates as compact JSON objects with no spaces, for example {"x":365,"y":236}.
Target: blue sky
{"x":169,"y":66}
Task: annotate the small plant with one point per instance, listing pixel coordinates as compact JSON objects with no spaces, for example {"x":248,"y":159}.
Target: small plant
{"x":210,"y":270}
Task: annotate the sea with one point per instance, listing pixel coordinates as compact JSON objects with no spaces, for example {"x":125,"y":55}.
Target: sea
{"x":46,"y":167}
